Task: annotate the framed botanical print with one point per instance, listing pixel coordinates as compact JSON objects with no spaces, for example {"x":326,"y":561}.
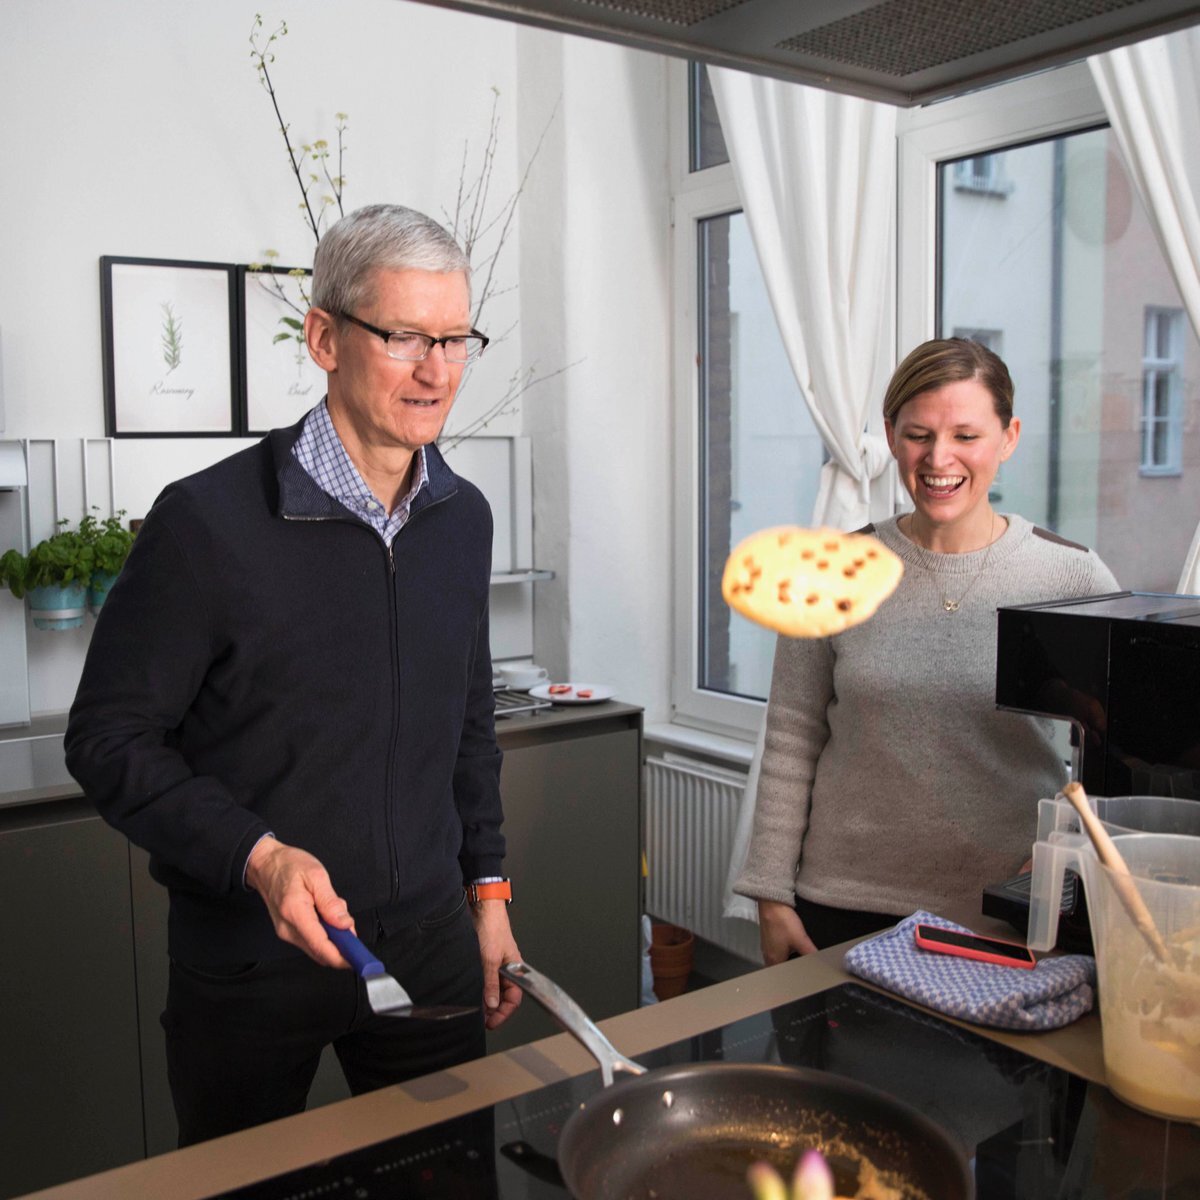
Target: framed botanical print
{"x":279,"y":381}
{"x":169,"y":338}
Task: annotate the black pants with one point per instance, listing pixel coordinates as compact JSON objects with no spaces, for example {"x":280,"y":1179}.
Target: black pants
{"x":244,"y":1042}
{"x":828,"y":926}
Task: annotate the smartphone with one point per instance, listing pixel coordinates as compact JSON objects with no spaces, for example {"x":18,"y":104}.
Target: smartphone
{"x":972,"y":945}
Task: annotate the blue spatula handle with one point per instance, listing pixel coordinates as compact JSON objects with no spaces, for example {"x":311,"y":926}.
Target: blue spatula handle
{"x":354,"y":952}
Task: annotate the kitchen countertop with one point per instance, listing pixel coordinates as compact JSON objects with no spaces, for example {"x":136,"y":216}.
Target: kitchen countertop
{"x":323,"y":1133}
{"x":270,"y":1150}
{"x":32,"y":770}
{"x":31,"y":763}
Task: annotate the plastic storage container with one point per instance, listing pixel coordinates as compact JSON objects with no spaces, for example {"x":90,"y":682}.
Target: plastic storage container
{"x":1118,"y":814}
{"x":1123,"y":814}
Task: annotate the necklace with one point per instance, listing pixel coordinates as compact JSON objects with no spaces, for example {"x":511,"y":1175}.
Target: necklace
{"x":952,"y":606}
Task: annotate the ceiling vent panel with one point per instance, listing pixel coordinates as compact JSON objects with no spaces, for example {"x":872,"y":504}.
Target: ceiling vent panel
{"x":900,"y":39}
{"x":904,"y":52}
{"x":674,"y":12}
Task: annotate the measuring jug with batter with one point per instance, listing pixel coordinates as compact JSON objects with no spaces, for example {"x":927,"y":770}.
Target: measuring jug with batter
{"x":1149,"y":1002}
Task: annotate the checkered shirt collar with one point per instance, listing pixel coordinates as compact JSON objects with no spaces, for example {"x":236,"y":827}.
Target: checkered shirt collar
{"x":320,"y":452}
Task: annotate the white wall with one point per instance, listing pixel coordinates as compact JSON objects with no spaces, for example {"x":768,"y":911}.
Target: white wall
{"x":595,"y":295}
{"x":141,"y":129}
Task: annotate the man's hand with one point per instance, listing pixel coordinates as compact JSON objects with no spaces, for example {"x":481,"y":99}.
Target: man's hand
{"x":781,"y":932}
{"x":496,"y":947}
{"x":297,"y":891}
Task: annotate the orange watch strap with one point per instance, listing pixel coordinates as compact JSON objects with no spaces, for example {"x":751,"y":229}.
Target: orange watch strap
{"x":501,"y":890}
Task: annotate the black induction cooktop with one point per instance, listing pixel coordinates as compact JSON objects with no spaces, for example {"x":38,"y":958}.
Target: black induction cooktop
{"x":1033,"y":1132}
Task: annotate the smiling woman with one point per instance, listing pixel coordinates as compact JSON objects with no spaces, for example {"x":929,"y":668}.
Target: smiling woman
{"x":889,"y":780}
{"x":948,"y":414}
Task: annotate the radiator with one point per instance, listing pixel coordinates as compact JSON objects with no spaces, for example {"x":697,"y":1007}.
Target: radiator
{"x":691,"y":815}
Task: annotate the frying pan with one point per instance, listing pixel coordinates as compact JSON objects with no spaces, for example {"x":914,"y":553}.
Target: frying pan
{"x":680,"y":1132}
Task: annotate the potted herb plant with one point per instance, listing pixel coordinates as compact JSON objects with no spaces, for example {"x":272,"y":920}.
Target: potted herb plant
{"x":110,"y":542}
{"x":55,"y":575}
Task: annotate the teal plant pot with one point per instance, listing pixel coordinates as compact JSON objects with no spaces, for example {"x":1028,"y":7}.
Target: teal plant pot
{"x":58,"y":608}
{"x":98,"y":591}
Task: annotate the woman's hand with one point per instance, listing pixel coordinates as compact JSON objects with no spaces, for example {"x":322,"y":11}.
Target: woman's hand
{"x":781,"y":932}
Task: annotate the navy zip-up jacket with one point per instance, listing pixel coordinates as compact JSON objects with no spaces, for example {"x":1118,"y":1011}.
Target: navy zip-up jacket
{"x":265,"y":663}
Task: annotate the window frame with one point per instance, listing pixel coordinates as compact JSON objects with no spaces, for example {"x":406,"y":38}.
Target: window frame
{"x":1055,"y":102}
{"x":696,"y":196}
{"x":1172,"y":367}
{"x":1064,"y":100}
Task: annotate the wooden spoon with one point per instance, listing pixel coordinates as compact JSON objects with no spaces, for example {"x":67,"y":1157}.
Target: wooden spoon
{"x":1110,"y":856}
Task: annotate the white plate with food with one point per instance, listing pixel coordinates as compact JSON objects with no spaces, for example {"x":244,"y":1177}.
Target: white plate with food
{"x":572,"y":693}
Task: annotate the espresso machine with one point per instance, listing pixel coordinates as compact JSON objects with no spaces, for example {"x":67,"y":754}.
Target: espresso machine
{"x":1124,"y":670}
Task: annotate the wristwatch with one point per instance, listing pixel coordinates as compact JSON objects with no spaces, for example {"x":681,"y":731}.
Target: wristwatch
{"x":493,"y":889}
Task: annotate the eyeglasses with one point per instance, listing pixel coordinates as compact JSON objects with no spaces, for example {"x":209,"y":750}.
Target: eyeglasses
{"x":410,"y":346}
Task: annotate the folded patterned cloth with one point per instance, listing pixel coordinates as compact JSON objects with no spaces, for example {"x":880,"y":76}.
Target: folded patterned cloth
{"x":1055,"y":993}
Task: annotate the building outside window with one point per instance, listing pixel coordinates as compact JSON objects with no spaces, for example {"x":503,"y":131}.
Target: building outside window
{"x":993,"y":339}
{"x":1162,"y":432}
{"x":1094,"y":337}
{"x":983,"y":173}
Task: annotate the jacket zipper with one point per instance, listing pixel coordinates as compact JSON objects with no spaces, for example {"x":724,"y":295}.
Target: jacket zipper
{"x":393,"y":611}
{"x":394,"y":606}
{"x":389,"y":790}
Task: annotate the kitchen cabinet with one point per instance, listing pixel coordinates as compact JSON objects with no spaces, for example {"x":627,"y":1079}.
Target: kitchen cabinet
{"x":149,"y":905}
{"x":83,"y":1075}
{"x":70,"y":1071}
{"x":572,"y":817}
{"x":571,"y":783}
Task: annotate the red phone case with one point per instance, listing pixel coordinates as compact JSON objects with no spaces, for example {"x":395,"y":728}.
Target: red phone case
{"x":979,"y":953}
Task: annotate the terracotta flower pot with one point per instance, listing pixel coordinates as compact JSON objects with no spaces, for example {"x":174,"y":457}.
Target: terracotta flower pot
{"x":672,"y":950}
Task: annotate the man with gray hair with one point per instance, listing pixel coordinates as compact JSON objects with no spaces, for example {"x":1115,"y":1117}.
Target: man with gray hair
{"x":287,"y":701}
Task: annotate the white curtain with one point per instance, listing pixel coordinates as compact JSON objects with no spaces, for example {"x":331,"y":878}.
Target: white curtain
{"x":735,"y":905}
{"x":1189,"y":578}
{"x":1151,"y":92}
{"x":816,"y":173}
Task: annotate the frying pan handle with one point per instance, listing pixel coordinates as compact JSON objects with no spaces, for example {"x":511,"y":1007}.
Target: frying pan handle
{"x":572,"y":1018}
{"x":354,"y":952}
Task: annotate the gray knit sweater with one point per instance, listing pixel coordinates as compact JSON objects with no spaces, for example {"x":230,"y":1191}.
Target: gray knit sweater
{"x":889,"y":780}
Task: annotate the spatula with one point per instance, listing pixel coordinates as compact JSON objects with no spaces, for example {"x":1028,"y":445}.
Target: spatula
{"x":385,"y":995}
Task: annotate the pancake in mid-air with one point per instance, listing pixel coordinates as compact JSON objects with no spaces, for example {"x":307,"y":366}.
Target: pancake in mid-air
{"x":809,"y":582}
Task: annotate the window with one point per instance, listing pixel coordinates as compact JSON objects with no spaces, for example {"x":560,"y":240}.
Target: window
{"x":1161,"y":387}
{"x":1064,"y":279}
{"x":1069,"y":268}
{"x":749,"y":453}
{"x":993,"y":339}
{"x":983,"y":173}
{"x":706,"y":141}
{"x":759,"y":453}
